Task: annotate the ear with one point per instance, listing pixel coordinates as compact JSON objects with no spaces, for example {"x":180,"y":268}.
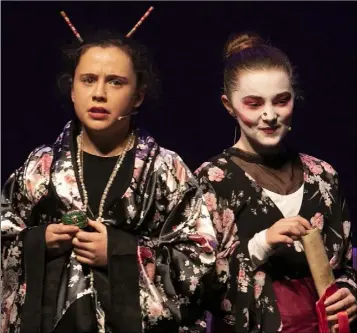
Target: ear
{"x":228,"y":105}
{"x":72,"y":91}
{"x":139,"y":98}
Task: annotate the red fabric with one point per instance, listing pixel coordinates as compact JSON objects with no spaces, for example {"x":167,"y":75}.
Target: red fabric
{"x":296,"y":300}
{"x":343,"y":324}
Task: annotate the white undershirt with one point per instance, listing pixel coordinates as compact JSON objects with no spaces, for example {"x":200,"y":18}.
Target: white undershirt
{"x":289,"y":205}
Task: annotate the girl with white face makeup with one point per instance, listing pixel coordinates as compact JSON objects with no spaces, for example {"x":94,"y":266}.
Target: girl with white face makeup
{"x":263,"y":197}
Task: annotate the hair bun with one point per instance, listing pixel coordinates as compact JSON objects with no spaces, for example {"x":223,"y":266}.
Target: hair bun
{"x":239,"y":42}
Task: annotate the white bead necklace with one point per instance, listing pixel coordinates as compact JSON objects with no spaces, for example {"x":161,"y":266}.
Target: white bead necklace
{"x":129,"y":144}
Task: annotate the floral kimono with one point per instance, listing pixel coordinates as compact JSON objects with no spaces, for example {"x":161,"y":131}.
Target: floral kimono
{"x":242,"y":294}
{"x":160,"y":241}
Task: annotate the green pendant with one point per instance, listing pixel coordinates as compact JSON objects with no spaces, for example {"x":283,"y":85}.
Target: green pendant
{"x":77,"y":218}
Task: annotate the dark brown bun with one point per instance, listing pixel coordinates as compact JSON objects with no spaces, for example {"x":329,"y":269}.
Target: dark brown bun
{"x":239,"y":42}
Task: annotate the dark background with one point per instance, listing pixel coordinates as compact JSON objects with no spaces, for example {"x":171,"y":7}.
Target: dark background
{"x":186,"y":40}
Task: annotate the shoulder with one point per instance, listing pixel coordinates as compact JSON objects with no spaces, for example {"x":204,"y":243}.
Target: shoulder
{"x":40,"y":156}
{"x":215,"y":169}
{"x":318,"y":166}
{"x":33,"y":176}
{"x":169,"y":162}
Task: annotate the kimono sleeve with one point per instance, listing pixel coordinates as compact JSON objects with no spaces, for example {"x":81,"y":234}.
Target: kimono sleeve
{"x":19,"y":195}
{"x":183,"y":252}
{"x":346,"y":275}
{"x":222,"y":205}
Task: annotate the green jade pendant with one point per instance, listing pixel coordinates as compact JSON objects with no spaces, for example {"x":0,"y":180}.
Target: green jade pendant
{"x":77,"y":218}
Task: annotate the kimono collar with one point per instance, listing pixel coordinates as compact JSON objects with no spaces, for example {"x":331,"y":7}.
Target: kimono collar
{"x":275,"y":161}
{"x":64,"y":171}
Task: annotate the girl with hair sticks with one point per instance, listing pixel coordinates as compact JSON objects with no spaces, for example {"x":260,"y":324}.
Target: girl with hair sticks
{"x":104,"y":231}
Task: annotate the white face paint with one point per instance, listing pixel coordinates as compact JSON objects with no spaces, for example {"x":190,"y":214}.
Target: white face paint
{"x":263,"y":104}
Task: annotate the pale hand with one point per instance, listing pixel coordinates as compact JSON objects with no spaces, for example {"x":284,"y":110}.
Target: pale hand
{"x":91,"y":247}
{"x":342,"y":300}
{"x":60,"y":235}
{"x":287,"y":230}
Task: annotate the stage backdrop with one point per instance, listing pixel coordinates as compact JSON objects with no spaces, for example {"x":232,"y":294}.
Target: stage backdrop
{"x":186,"y":40}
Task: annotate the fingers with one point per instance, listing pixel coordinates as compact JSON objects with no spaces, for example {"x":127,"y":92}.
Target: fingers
{"x":87,"y":246}
{"x":84,"y":254}
{"x":350,"y":311}
{"x":341,"y":306}
{"x":300,"y":221}
{"x":305,"y":223}
{"x":63,"y":229}
{"x":294,"y":231}
{"x":84,"y":260}
{"x":84,"y":236}
{"x":297,"y":230}
{"x":62,"y":237}
{"x":99,"y":227}
{"x":343,"y":301}
{"x":350,"y":320}
{"x":337,"y":296}
{"x":55,"y":234}
{"x":285,"y":239}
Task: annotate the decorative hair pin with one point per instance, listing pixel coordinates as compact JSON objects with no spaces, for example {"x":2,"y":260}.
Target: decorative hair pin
{"x":137,"y":25}
{"x":129,"y":34}
{"x":71,"y":26}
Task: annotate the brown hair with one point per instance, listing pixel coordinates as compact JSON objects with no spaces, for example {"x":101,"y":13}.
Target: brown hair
{"x":248,"y":51}
{"x":143,"y":66}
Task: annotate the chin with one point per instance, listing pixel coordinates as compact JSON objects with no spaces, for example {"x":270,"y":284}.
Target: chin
{"x":272,"y":142}
{"x":97,"y":125}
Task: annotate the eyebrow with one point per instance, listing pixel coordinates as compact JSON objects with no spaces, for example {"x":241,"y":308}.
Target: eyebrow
{"x":108,"y":77}
{"x":283,"y":94}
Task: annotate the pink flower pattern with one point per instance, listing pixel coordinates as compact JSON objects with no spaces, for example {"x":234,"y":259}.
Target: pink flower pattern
{"x":321,"y":206}
{"x":211,"y":201}
{"x":317,"y":221}
{"x":174,"y":184}
{"x":215,"y":174}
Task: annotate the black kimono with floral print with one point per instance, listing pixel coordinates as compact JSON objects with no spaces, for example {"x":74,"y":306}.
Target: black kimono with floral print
{"x":241,"y":294}
{"x":159,"y":231}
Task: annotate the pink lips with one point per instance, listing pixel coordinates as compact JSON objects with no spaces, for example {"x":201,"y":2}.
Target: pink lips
{"x":98,"y":113}
{"x":269,"y":130}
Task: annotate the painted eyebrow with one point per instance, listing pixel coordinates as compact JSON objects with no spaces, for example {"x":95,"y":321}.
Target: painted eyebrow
{"x":283,"y":94}
{"x":253,"y":96}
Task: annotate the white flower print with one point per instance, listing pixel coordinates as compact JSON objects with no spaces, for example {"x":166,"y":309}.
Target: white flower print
{"x":298,"y":246}
{"x":336,"y":247}
{"x":73,"y":280}
{"x":131,"y":211}
{"x":182,"y":276}
{"x":346,"y":228}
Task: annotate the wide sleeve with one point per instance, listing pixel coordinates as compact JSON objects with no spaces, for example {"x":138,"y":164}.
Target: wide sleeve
{"x":223,"y":205}
{"x":176,"y":260}
{"x":346,"y":275}
{"x":20,"y":193}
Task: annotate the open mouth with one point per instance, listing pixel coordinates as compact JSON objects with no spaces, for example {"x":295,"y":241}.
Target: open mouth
{"x":98,"y":110}
{"x":98,"y":113}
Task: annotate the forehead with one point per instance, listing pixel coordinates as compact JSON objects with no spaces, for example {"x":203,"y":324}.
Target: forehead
{"x":110,"y":60}
{"x":263,"y":83}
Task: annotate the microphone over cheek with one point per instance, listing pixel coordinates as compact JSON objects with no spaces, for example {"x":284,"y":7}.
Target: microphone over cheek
{"x":132,"y":113}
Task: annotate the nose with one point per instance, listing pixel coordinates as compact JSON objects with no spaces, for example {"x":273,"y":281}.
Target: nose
{"x":99,"y":93}
{"x":269,"y":114}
